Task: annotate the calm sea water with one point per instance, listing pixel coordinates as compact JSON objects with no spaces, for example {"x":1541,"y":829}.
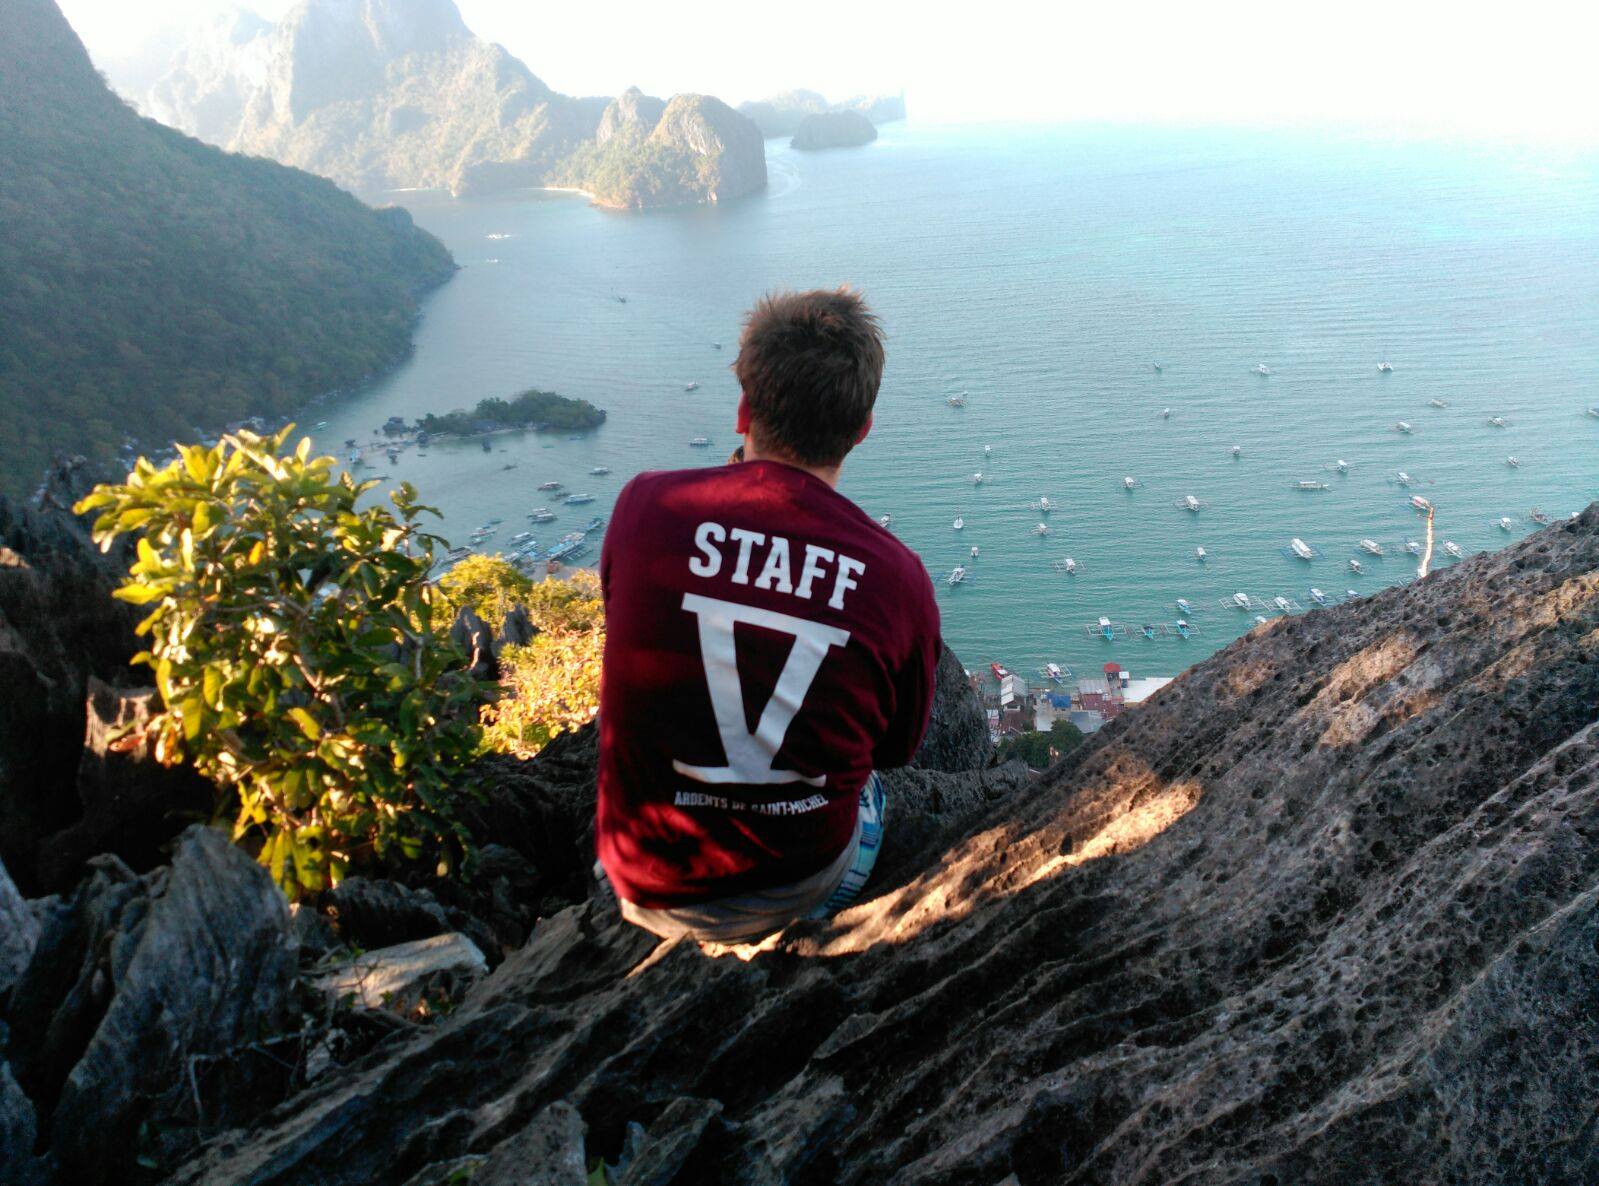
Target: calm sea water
{"x":1043,"y":272}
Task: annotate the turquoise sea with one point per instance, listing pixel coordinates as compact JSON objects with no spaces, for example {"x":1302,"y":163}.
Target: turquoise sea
{"x":1043,"y":271}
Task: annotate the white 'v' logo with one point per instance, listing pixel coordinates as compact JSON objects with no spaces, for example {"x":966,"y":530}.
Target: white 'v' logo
{"x":750,"y":756}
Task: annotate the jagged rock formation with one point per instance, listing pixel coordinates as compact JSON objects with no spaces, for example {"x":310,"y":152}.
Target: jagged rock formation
{"x":150,"y":284}
{"x":139,"y":991}
{"x":834,"y":129}
{"x":390,"y":94}
{"x":1324,"y":910}
{"x":781,"y":115}
{"x":630,"y":112}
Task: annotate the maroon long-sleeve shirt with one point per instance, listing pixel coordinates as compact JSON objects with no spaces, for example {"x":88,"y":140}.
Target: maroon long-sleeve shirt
{"x":767,"y":645}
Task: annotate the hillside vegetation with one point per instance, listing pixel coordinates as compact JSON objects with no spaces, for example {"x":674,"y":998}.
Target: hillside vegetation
{"x":150,"y":284}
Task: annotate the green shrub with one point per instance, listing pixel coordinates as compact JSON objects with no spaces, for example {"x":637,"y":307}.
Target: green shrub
{"x":292,"y":636}
{"x":489,"y":586}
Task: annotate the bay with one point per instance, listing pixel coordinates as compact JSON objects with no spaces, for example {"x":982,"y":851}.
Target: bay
{"x":1043,"y":272}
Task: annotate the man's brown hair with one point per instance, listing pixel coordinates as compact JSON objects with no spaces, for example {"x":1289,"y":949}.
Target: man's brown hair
{"x":810,"y":364}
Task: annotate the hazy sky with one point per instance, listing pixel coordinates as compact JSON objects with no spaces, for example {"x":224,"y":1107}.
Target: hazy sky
{"x":1520,"y":69}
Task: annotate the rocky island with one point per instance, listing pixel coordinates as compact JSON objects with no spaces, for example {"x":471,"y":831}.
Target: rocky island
{"x":647,"y":152}
{"x":782,"y":114}
{"x":834,"y":129}
{"x":382,"y":95}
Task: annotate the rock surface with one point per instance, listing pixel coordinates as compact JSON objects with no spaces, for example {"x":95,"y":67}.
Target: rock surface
{"x":19,"y":932}
{"x":147,"y":998}
{"x":833,"y":129}
{"x":404,"y":977}
{"x":1324,"y":910}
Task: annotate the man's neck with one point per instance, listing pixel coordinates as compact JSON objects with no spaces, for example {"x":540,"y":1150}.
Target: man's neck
{"x":828,"y":473}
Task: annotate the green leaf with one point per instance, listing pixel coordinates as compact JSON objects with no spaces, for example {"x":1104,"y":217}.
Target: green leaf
{"x":307,"y":723}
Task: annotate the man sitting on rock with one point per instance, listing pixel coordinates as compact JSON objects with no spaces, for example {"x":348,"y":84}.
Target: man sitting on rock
{"x":768,"y":647}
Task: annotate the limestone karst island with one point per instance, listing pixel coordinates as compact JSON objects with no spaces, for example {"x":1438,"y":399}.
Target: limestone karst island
{"x":798,"y":598}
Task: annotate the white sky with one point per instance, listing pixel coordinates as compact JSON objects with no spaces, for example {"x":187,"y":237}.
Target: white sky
{"x":1522,"y":70}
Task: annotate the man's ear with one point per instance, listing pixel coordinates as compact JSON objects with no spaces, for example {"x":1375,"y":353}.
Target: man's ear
{"x":742,"y":425}
{"x":865,"y":428}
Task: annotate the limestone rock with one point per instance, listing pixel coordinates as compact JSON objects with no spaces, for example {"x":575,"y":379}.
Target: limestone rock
{"x":19,"y":932}
{"x":633,"y":111}
{"x":1325,"y":910}
{"x":547,"y":1152}
{"x":707,"y":128}
{"x":404,"y":977}
{"x":834,"y":129}
{"x":378,"y":913}
{"x":957,"y":729}
{"x":58,"y":627}
{"x":18,"y":1129}
{"x":130,"y":804}
{"x":391,"y":94}
{"x":149,"y":996}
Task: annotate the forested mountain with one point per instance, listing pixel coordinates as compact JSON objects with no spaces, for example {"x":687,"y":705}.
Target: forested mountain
{"x":393,"y":94}
{"x":150,"y":284}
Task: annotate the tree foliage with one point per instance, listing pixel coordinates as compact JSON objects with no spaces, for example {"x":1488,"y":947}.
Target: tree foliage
{"x":1041,"y":750}
{"x":293,"y":640}
{"x":552,"y":685}
{"x":542,"y":410}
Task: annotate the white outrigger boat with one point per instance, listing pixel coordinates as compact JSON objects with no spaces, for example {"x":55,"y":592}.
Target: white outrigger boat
{"x":1592,"y":411}
{"x":1538,"y":517}
{"x":549,"y":485}
{"x":957,"y":401}
{"x":542,"y":515}
{"x":1404,"y":426}
{"x":1414,"y":547}
{"x":1420,"y":504}
{"x":977,"y":478}
{"x":1372,"y":546}
{"x":1240,"y":601}
{"x":1066,"y":565}
{"x":959,"y":523}
{"x":1201,"y":555}
{"x":1285,"y":606}
{"x":1357,"y":567}
{"x":1403,"y":479}
{"x":885,"y":520}
{"x":1262,"y":369}
{"x":1437,"y":403}
{"x":974,"y":551}
{"x":1165,"y":413}
{"x":1301,"y":549}
{"x":1044,"y":506}
{"x":1452,"y":548}
{"x":1513,"y":461}
{"x":1106,"y":629}
{"x":1189,"y":503}
{"x":1185,"y":607}
{"x":1130,"y":483}
{"x":1236,"y":450}
{"x":1307,"y":484}
{"x":691,"y":386}
{"x":1341,"y":466}
{"x":700,"y":442}
{"x":1498,"y":422}
{"x":1506,"y":523}
{"x":1184,"y":629}
{"x":956,"y":575}
{"x":1055,"y":673}
{"x":1318,"y":596}
{"x":1385,"y":367}
{"x":599,"y":471}
{"x":1041,"y":529}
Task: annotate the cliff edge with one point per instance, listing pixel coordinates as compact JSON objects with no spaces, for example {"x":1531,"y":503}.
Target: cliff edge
{"x":1324,"y":910}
